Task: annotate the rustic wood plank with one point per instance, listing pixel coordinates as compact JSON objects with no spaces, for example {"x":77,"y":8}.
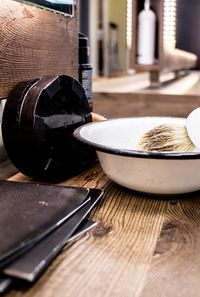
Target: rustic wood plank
{"x":113,"y":105}
{"x":176,"y":260}
{"x":35,"y":42}
{"x":143,"y":246}
{"x":114,"y":259}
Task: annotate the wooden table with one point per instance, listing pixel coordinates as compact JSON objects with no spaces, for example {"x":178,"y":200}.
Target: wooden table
{"x":143,"y":246}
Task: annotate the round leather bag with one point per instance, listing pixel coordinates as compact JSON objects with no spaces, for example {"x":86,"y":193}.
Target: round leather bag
{"x":38,"y":121}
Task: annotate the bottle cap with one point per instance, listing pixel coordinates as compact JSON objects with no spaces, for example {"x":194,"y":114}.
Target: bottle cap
{"x":147,"y":4}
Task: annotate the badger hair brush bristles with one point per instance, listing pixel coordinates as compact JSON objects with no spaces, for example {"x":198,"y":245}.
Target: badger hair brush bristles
{"x":166,"y":138}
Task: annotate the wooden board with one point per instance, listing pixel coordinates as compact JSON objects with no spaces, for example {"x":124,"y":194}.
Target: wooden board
{"x":35,"y":42}
{"x":144,"y":245}
{"x":109,"y":260}
{"x":114,"y":105}
{"x":176,"y":260}
{"x":132,"y":96}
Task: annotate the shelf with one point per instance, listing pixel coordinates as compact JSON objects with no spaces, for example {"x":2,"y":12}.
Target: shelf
{"x":168,"y":59}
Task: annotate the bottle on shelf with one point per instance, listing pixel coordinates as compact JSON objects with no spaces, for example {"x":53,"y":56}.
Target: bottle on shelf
{"x":146,"y":35}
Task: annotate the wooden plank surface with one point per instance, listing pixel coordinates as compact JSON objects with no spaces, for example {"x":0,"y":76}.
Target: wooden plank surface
{"x":139,"y":83}
{"x":114,"y":259}
{"x":144,"y":245}
{"x":175,"y":266}
{"x":35,"y":42}
{"x":131,"y":96}
{"x":113,"y":105}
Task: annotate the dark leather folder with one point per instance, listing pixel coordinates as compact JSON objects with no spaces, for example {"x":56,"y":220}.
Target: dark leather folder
{"x":28,"y":212}
{"x":85,"y":226}
{"x":32,"y":263}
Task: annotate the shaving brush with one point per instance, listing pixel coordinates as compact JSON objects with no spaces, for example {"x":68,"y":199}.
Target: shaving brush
{"x":173,"y":138}
{"x":166,"y":138}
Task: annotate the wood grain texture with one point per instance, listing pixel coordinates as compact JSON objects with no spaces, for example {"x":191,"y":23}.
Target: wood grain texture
{"x":113,"y":105}
{"x":176,"y":261}
{"x":33,"y":43}
{"x":114,"y":259}
{"x":144,"y":245}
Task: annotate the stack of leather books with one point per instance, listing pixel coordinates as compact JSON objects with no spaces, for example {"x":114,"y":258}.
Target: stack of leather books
{"x":36,"y":222}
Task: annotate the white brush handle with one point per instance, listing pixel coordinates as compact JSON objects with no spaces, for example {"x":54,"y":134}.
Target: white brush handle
{"x":192,"y":126}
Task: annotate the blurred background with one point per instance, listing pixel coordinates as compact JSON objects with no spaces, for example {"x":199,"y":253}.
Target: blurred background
{"x":108,"y":24}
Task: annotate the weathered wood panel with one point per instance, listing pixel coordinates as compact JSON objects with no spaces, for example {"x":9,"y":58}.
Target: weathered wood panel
{"x":115,"y":258}
{"x":35,"y":42}
{"x":144,"y":245}
{"x":113,"y":105}
{"x":176,"y":259}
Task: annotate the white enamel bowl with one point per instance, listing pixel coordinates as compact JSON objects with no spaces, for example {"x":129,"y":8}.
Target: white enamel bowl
{"x":152,"y":172}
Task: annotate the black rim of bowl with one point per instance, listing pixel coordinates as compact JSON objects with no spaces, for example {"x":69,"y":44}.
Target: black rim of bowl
{"x":132,"y":153}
